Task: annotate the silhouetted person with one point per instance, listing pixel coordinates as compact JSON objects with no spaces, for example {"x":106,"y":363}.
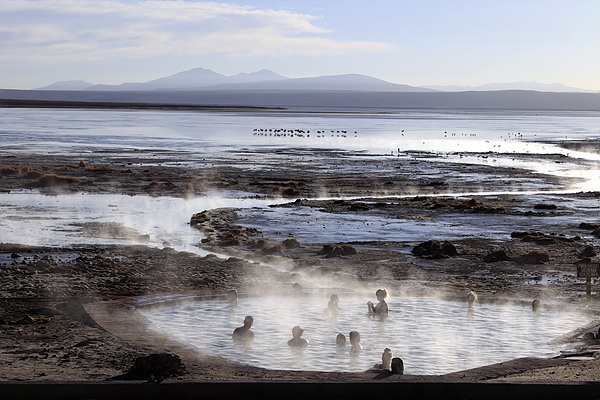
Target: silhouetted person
{"x":333,"y":305}
{"x":355,"y":341}
{"x":535,"y":305}
{"x":297,"y":340}
{"x":397,"y":366}
{"x":340,"y":340}
{"x":232,"y":295}
{"x":243,"y":332}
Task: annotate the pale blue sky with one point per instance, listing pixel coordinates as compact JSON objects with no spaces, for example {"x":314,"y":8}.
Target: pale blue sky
{"x":416,"y":42}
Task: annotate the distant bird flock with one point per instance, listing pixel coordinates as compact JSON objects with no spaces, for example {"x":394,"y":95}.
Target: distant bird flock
{"x":284,"y":132}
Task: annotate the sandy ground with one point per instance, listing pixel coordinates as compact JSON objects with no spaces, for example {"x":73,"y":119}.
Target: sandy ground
{"x":62,"y":310}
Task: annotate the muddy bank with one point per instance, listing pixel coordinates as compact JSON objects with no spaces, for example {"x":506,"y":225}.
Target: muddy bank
{"x":273,"y":173}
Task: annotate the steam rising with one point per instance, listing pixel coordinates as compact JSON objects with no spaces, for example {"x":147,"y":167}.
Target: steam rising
{"x":432,"y":336}
{"x":497,"y":140}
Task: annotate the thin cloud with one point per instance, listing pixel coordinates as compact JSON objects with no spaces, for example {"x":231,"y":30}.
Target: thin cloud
{"x":63,"y":30}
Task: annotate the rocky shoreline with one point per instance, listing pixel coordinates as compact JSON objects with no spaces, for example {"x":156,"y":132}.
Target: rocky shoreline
{"x":45,"y":293}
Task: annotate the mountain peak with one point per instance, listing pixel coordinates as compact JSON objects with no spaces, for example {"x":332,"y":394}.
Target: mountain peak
{"x":67,"y":85}
{"x":262,"y":75}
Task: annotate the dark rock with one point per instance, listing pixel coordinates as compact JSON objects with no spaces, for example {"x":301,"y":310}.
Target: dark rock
{"x":495,"y":256}
{"x":329,"y":250}
{"x":199,"y":218}
{"x":435,"y":249}
{"x":262,"y":243}
{"x":545,"y":207}
{"x":290,"y":192}
{"x":520,"y":235}
{"x":359,"y":207}
{"x":291,"y":244}
{"x":533,"y":257}
{"x":546,"y":241}
{"x":154,"y":365}
{"x":588,"y":336}
{"x":589,"y":226}
{"x":270,"y":250}
{"x":541,"y":238}
{"x":230,"y":240}
{"x":434,"y":183}
{"x":348,"y":250}
{"x":588,"y":252}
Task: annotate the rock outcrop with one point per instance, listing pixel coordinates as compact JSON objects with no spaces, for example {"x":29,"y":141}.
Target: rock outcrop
{"x":435,"y":249}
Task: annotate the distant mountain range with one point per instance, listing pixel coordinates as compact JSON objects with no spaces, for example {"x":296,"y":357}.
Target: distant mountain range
{"x":265,"y":88}
{"x":205,"y":79}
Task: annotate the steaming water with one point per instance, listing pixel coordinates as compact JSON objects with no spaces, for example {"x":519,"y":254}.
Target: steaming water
{"x":430,"y":335}
{"x":35,"y":219}
{"x":418,"y":331}
{"x":177,"y":138}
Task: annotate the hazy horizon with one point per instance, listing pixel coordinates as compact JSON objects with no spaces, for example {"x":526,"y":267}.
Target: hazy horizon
{"x":423,"y":44}
{"x":267,"y":75}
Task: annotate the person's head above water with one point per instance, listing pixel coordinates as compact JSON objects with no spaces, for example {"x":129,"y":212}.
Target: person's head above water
{"x":297,"y":340}
{"x":244,"y":332}
{"x":471,"y":297}
{"x":232,"y":295}
{"x":340,"y":340}
{"x":334,"y":300}
{"x":297,"y":331}
{"x":381,"y":294}
{"x":354,"y":338}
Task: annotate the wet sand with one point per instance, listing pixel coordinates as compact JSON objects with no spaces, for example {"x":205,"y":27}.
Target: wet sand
{"x":67,"y":314}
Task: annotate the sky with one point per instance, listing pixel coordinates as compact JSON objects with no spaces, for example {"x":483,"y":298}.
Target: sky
{"x":413,"y":42}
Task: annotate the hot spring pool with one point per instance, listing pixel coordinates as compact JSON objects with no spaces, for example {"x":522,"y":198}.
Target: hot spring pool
{"x":432,"y":336}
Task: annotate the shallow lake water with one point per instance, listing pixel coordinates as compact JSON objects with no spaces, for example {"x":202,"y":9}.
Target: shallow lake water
{"x":35,"y":219}
{"x":432,"y":336}
{"x":180,"y":138}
